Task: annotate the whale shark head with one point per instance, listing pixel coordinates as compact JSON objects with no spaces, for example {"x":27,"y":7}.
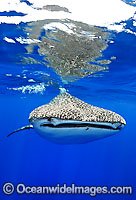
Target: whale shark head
{"x":69,"y":120}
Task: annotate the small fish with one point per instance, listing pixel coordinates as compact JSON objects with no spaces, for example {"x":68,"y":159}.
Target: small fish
{"x":69,"y":120}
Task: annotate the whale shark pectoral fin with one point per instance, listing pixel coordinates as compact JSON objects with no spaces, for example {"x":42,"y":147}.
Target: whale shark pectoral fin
{"x":20,"y":129}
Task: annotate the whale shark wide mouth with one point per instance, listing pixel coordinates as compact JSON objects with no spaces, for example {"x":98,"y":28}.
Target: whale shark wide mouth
{"x":80,"y":124}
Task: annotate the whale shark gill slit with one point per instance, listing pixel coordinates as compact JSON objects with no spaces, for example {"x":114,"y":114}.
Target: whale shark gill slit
{"x":73,"y":125}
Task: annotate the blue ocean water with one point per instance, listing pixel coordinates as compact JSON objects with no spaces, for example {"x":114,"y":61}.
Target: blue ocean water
{"x":27,"y":158}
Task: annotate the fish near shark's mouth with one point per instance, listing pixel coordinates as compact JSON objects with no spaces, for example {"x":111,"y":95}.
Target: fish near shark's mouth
{"x":56,"y":123}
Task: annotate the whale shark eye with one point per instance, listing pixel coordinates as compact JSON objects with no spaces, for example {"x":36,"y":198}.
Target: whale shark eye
{"x":50,"y":119}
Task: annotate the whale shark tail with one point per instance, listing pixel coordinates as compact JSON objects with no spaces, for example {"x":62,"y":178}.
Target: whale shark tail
{"x":20,"y":129}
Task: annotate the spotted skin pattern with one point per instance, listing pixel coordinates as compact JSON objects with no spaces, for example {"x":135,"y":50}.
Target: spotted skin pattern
{"x":67,"y":107}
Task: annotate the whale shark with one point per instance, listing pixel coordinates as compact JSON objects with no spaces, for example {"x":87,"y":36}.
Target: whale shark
{"x":69,"y":120}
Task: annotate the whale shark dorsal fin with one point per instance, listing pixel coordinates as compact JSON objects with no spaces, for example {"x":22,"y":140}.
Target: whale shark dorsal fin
{"x":62,"y":90}
{"x":20,"y":129}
